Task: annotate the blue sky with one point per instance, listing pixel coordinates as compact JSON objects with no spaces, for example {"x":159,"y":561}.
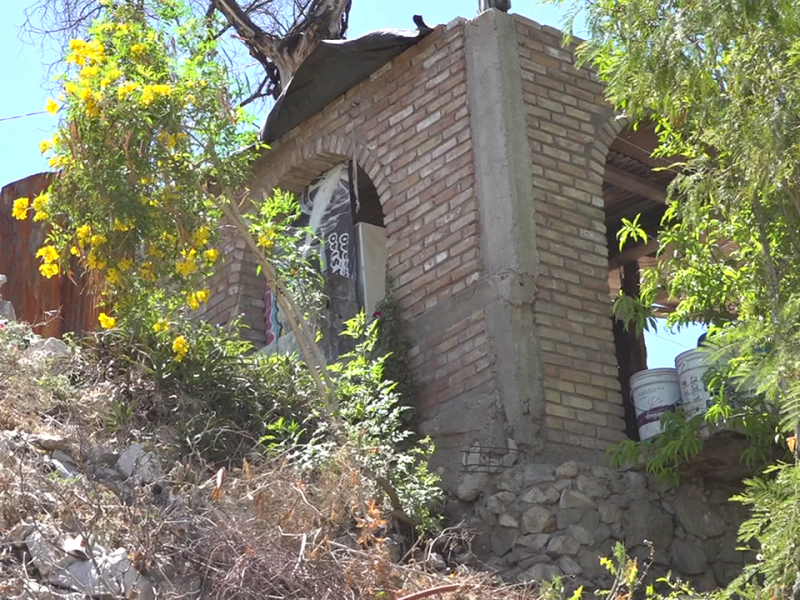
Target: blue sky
{"x":25,"y":85}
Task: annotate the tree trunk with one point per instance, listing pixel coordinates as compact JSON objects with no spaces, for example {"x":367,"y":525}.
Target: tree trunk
{"x":325,"y":19}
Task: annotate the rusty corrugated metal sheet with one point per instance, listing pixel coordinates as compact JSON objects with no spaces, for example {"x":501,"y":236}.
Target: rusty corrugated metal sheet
{"x":35,"y":298}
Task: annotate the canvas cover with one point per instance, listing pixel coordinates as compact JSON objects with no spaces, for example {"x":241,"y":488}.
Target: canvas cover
{"x":332,"y":68}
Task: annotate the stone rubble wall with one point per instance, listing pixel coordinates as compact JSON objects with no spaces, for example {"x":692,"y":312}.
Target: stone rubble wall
{"x":538,"y":521}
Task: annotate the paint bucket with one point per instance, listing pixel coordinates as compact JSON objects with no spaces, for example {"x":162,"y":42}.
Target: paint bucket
{"x":654,"y":392}
{"x":692,"y":366}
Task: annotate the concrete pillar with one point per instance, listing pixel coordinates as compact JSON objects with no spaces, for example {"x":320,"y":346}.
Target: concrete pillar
{"x":504,"y":188}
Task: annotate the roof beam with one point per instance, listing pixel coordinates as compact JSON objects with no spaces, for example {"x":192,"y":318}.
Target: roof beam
{"x":633,"y":253}
{"x":636,"y":184}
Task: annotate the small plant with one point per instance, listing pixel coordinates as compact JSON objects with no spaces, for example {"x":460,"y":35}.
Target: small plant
{"x":774,"y":527}
{"x":663,"y":455}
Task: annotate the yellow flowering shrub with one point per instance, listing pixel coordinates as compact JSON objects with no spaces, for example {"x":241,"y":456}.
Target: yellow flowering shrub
{"x":146,"y":112}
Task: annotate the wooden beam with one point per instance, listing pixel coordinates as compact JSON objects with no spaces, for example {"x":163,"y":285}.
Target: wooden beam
{"x":636,"y":184}
{"x":632,"y":254}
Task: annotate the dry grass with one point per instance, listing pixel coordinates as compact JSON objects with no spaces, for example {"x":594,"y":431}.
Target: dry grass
{"x":261,"y":531}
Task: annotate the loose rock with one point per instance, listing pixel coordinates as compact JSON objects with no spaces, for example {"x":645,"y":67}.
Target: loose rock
{"x":563,"y":545}
{"x":538,"y":520}
{"x":575,"y":499}
{"x":568,"y":470}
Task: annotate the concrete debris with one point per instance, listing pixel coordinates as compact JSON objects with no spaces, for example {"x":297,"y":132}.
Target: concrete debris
{"x":68,"y":566}
{"x":7,"y":312}
{"x":137,"y":465}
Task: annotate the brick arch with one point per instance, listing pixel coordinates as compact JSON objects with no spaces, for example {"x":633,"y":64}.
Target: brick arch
{"x":605,"y":137}
{"x":301,"y":165}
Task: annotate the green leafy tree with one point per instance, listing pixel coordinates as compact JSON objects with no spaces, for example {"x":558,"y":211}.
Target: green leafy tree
{"x":721,"y":80}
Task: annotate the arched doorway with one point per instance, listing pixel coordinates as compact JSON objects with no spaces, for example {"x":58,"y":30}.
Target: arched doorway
{"x":341,"y":205}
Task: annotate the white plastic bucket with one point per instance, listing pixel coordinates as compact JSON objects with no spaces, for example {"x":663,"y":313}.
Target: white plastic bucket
{"x":654,"y":392}
{"x":692,"y":366}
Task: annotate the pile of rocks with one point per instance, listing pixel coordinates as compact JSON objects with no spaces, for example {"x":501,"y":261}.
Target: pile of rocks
{"x":540,"y":521}
{"x":62,"y":560}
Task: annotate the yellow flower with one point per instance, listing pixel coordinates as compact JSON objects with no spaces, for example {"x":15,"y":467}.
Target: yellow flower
{"x":187,"y":266}
{"x":94,"y":262}
{"x":51,"y":106}
{"x":106,"y":322}
{"x":41,"y":201}
{"x":74,"y":251}
{"x":155,"y":252}
{"x":197,"y":298}
{"x":113,"y":277}
{"x":125,"y":225}
{"x":180,"y":347}
{"x":89,"y":72}
{"x":160,"y":325}
{"x":146,"y":271}
{"x":71,"y":88}
{"x":92,"y":108}
{"x":48,"y":254}
{"x":49,"y":270}
{"x":265,"y":240}
{"x":126,"y":264}
{"x":98,"y":239}
{"x":41,"y":216}
{"x":126,"y":89}
{"x":84,"y":232}
{"x":20,"y":209}
{"x":45,"y":146}
{"x":201,"y":236}
{"x":150,"y":93}
{"x":81,"y":50}
{"x":138,"y":48}
{"x":110,"y":77}
{"x":76,"y":59}
{"x":58,"y":161}
{"x":211,"y":255}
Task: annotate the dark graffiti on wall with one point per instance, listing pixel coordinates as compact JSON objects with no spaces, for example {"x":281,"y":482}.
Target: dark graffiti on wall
{"x":327,"y":202}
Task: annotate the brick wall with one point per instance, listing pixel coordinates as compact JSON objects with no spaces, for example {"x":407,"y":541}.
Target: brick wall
{"x":487,"y":150}
{"x":569,"y":129}
{"x":408,"y":127}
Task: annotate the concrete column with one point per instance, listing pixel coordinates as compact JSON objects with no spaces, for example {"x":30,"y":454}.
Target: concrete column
{"x":504,"y":188}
